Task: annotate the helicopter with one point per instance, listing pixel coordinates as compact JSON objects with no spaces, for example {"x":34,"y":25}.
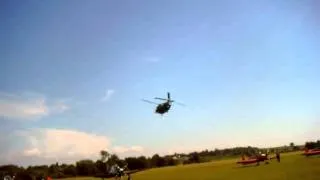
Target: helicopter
{"x":116,"y":172}
{"x":163,"y":107}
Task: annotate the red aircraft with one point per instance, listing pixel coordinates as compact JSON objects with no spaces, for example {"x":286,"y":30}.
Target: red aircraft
{"x":311,"y":152}
{"x":254,"y":159}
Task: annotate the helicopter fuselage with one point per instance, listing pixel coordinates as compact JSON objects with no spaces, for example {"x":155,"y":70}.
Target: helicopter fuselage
{"x":163,"y":108}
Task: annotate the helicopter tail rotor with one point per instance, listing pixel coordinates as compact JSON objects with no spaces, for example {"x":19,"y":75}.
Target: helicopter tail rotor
{"x":168,"y":99}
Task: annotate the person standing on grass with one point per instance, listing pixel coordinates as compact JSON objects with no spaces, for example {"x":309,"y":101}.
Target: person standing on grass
{"x":278,"y":156}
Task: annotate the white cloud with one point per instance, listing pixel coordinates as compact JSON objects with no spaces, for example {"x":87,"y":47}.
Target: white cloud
{"x":137,"y":149}
{"x":122,"y":149}
{"x":32,"y":152}
{"x":23,"y":109}
{"x":28,"y":106}
{"x":108,"y":94}
{"x":62,"y":145}
{"x":153,"y":59}
{"x":129,"y":151}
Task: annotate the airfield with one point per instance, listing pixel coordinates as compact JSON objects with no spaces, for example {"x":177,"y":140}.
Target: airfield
{"x":293,"y":166}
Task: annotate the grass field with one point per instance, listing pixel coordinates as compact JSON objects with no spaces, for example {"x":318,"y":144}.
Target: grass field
{"x":293,"y":166}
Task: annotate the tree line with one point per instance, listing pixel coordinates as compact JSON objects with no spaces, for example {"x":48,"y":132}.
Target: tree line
{"x":88,"y":167}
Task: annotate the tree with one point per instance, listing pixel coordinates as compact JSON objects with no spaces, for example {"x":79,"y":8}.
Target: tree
{"x":113,"y":159}
{"x":137,"y":163}
{"x":70,"y":170}
{"x":53,"y":170}
{"x":101,"y":166}
{"x":143,"y":162}
{"x":24,"y":176}
{"x":310,"y":145}
{"x":86,"y":168}
{"x":104,"y":155}
{"x":194,"y":157}
{"x":155,"y":160}
{"x":292,"y":146}
{"x":169,"y":161}
{"x":10,"y":169}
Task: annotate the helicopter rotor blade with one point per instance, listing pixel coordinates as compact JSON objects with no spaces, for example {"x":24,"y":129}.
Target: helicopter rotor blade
{"x":149,"y":101}
{"x":161,"y":99}
{"x":181,"y":104}
{"x":172,"y":101}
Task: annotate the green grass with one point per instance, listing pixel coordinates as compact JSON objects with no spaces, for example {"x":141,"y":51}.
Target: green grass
{"x":293,"y":166}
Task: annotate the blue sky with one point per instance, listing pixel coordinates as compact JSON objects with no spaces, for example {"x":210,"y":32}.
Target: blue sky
{"x":247,"y":71}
